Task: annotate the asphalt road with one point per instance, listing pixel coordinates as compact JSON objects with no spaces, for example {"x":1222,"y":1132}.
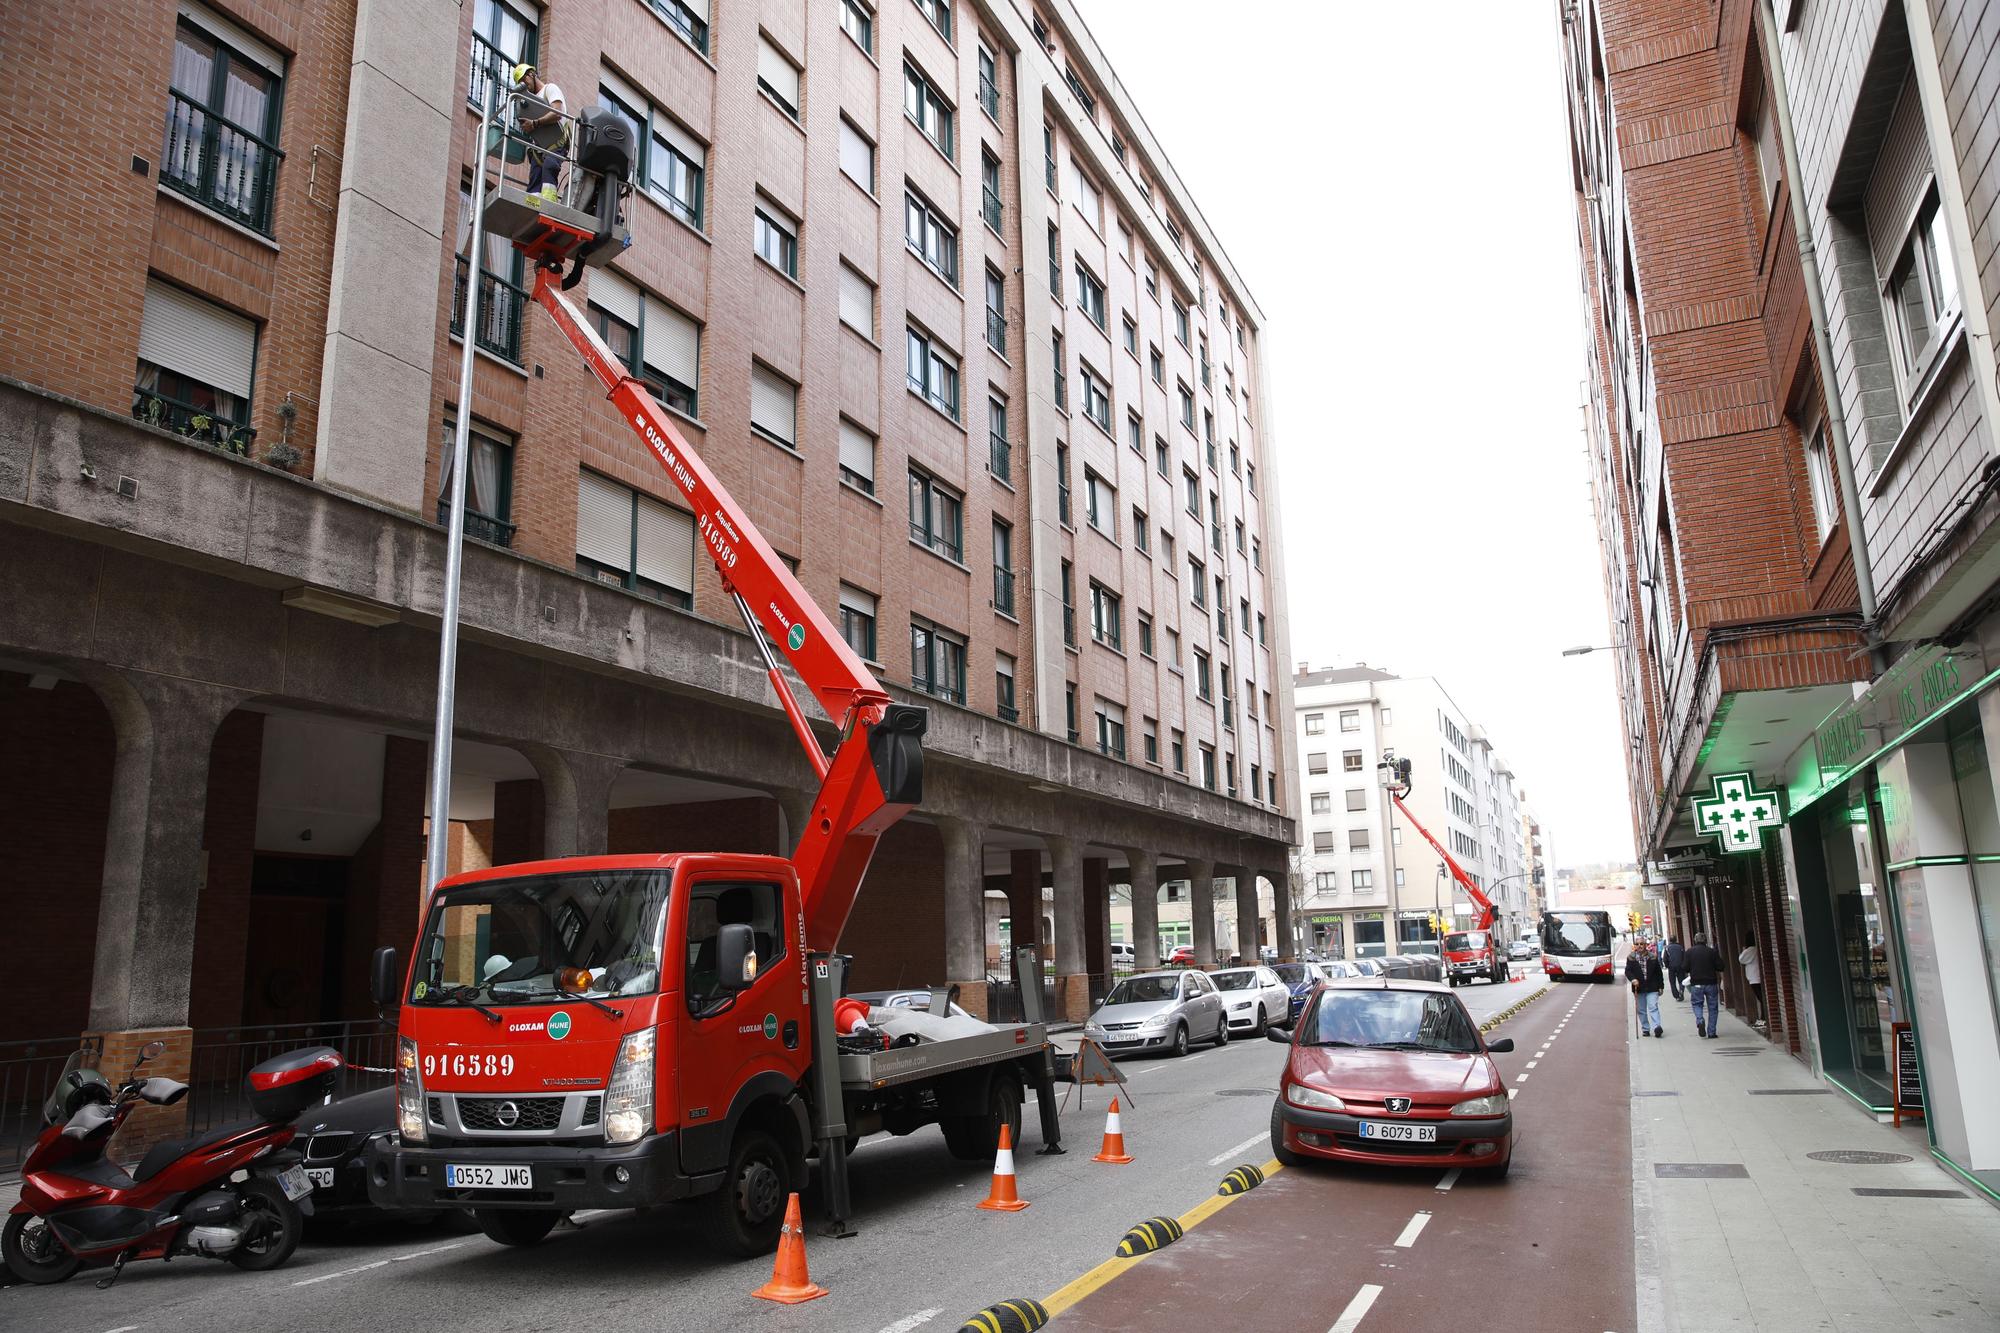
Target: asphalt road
{"x":925,"y":1257}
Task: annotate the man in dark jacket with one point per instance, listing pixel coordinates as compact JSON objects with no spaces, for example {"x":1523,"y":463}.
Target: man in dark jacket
{"x":1704,"y":974}
{"x":1642,"y":969}
{"x":1670,"y":961}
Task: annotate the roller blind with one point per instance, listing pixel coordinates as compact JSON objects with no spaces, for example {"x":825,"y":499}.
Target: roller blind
{"x":683,"y":143}
{"x":857,"y":301}
{"x":666,"y":545}
{"x":615,"y":296}
{"x":857,"y":450}
{"x":857,"y":157}
{"x":603,"y":521}
{"x":856,"y":600}
{"x":673,"y":343}
{"x":773,"y":405}
{"x":633,"y":99}
{"x":700,"y":8}
{"x":1900,"y":180}
{"x":182,"y":332}
{"x":781,"y":74}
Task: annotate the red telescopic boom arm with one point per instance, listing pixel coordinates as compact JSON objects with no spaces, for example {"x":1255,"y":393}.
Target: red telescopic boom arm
{"x":1485,"y":905}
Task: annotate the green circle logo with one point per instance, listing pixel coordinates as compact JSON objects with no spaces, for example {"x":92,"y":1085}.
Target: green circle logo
{"x":558,"y":1025}
{"x":770,"y":1026}
{"x":797,"y":638}
{"x":421,"y":990}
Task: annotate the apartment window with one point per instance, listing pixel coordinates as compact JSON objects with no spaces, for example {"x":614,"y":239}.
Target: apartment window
{"x":1362,"y":879}
{"x":926,"y":106}
{"x":1087,"y":198}
{"x":857,"y":457}
{"x":1062,"y":483}
{"x":1128,"y":333}
{"x":999,"y":452}
{"x":1191,"y":492}
{"x":1207,"y":765}
{"x":1186,"y":396}
{"x":1090,"y":294}
{"x":858,"y":22}
{"x":857,"y":621}
{"x":1135,"y":433}
{"x":1179,"y":748}
{"x":1142,"y":536}
{"x":1110,"y":728}
{"x":1235,"y":460}
{"x":1357,"y":798}
{"x":1003,"y":567}
{"x":1152,"y":273}
{"x":930,"y":237}
{"x":933,"y":373}
{"x":1055,"y":262}
{"x":1203,"y":686}
{"x":1256,"y":553}
{"x":1150,"y":734}
{"x":1003,"y":688}
{"x":1215,"y":526}
{"x":1145,"y":633}
{"x":1198,"y":573}
{"x":996,"y":311}
{"x":1819,"y":473}
{"x":937,"y":661}
{"x":502,"y":37}
{"x":1260,"y":628}
{"x":1250,"y":477}
{"x":1221,"y":610}
{"x":194,"y":368}
{"x":1100,"y":504}
{"x":1765,"y":130}
{"x":489,"y":482}
{"x":1096,"y":398}
{"x":857,"y":302}
{"x":939,"y":13}
{"x":1160,"y":464}
{"x":937,"y":515}
{"x":1921,"y":293}
{"x":1181,"y":323}
{"x":1387,"y":717}
{"x":1107,"y":616}
{"x":1082,"y":93}
{"x":1350,"y":761}
{"x":1069,"y":711}
{"x":857,"y":156}
{"x":1174,"y":647}
{"x":1243,"y":613}
{"x":989,"y":82}
{"x":1069,"y":603}
{"x":1322,"y":803}
{"x":774,"y":406}
{"x":672,"y":165}
{"x":1240,"y":543}
{"x":1049,"y":157}
{"x":1316,"y":763}
{"x":1357,"y":840}
{"x":1315,"y":724}
{"x":989,"y":189}
{"x":222,"y":123}
{"x":1350,"y":719}
{"x":1156,"y":365}
{"x":1328,"y":881}
{"x":502,"y":298}
{"x":1229,"y":774}
{"x":776,"y":241}
{"x":634,"y":541}
{"x":778,"y":76}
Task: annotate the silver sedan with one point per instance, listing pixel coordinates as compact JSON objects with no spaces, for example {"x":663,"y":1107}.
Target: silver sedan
{"x":1159,"y":1011}
{"x":1255,"y":997}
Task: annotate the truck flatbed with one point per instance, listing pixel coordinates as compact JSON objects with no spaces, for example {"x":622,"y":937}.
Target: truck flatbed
{"x":929,"y":1059}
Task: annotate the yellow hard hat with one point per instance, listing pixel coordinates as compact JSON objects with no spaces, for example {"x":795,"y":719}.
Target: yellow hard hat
{"x":521,"y":71}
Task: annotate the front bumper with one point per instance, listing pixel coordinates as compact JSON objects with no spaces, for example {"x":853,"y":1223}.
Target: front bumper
{"x":1336,"y":1136}
{"x":566,"y":1178}
{"x":1128,"y":1043}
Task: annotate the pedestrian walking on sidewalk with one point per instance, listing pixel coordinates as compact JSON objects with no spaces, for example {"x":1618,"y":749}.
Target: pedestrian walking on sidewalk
{"x":1642,"y":969}
{"x":1753,"y":976}
{"x":1704,"y":974}
{"x":1670,"y":963}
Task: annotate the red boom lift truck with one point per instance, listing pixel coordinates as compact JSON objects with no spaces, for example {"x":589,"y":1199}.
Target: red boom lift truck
{"x":623,"y":1031}
{"x":1467,"y":954}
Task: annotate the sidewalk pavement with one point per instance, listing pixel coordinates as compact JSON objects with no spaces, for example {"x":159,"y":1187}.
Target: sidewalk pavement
{"x":1775,"y":1240}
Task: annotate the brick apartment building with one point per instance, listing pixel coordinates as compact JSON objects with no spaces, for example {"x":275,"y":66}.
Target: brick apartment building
{"x":913,"y":277}
{"x":1793,"y":463}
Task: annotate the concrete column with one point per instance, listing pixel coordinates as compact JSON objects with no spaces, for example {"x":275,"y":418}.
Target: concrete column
{"x":797,"y":807}
{"x":1201,"y":905}
{"x":1281,"y":904}
{"x":576,"y":799}
{"x":1246,"y":914}
{"x":1145,"y":877}
{"x":965,"y":911}
{"x":1072,"y":975}
{"x":1097,"y":917}
{"x":1024,"y":907}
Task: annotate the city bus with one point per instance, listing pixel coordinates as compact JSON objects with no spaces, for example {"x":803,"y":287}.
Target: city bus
{"x":1577,"y":944}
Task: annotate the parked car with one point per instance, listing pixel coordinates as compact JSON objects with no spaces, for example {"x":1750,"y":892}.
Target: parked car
{"x":1368,"y":967}
{"x":1267,"y":954}
{"x":1413,"y":967}
{"x":1255,"y":998}
{"x":1124,"y":955}
{"x":1299,"y":980}
{"x":902,"y":999}
{"x":1182,"y":956}
{"x":1521,"y":949}
{"x":1159,"y":1011}
{"x":1393,"y":1073}
{"x":335,"y":1139}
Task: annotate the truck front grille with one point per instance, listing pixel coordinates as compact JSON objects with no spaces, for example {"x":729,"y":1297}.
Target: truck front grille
{"x":530,"y":1113}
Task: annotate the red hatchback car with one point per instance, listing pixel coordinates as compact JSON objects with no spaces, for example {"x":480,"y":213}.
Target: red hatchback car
{"x":1392,"y":1072}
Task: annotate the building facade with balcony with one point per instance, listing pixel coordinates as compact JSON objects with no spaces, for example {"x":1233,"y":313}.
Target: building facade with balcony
{"x":1797,"y":508}
{"x":916,"y":281}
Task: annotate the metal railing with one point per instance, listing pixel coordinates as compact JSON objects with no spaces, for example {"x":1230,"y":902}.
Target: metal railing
{"x":1049,"y":171}
{"x":218,"y":165}
{"x":483,"y":527}
{"x":1003,"y":590}
{"x":999,"y":456}
{"x":996,"y":330}
{"x":487,"y":62}
{"x":990,"y":206}
{"x":196,"y":423}
{"x":1008,"y":713}
{"x":684,"y":21}
{"x":1069,"y":628}
{"x":500,"y":306}
{"x":28,"y":1072}
{"x":223,"y":1058}
{"x":1062,"y":391}
{"x":989,"y":96}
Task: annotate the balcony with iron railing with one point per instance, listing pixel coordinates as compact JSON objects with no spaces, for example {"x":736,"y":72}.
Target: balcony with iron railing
{"x":1069,"y":625}
{"x":990,"y":207}
{"x":480,"y":527}
{"x":999,"y":456}
{"x":1008,"y":713}
{"x":487,"y":63}
{"x":1003,"y":590}
{"x":1049,"y":170}
{"x":500,"y":306}
{"x":193,"y":421}
{"x":989,"y":96}
{"x":996,"y":330}
{"x":218,"y":165}
{"x":1062,"y":390}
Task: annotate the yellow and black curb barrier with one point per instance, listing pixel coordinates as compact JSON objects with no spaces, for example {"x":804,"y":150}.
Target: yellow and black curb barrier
{"x":1513,"y":1009}
{"x":1241,"y":1181}
{"x":1016,"y":1316}
{"x":1155,"y":1233}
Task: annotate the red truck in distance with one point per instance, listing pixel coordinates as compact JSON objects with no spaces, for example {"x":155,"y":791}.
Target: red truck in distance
{"x":1468,"y":954}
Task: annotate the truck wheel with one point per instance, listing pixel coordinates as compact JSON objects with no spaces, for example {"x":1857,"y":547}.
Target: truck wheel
{"x":516,"y":1226}
{"x":749,"y":1209}
{"x":976,"y":1138}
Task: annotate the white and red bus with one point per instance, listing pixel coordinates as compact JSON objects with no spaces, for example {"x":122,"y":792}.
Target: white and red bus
{"x":1576,"y":945}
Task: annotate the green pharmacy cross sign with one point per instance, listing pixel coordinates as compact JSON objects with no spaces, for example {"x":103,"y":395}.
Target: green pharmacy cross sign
{"x":1737,"y":814}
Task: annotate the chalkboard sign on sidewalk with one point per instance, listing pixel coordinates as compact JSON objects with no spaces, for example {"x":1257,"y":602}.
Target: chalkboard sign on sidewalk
{"x":1909,"y":1079}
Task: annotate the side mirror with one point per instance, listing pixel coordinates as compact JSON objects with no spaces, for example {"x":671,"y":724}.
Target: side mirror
{"x":736,"y":957}
{"x":385,"y":978}
{"x":1500,"y":1047}
{"x":1279,"y":1035}
{"x":152,"y":1050}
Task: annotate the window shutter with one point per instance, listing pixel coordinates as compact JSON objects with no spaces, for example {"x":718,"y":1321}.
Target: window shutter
{"x":221,"y":28}
{"x":857,"y":158}
{"x":666,"y":545}
{"x":615,"y":296}
{"x":633,"y":99}
{"x":683,"y":143}
{"x":857,"y":450}
{"x":780,"y":73}
{"x":673,"y":343}
{"x":700,"y":8}
{"x":857,"y":302}
{"x":182,"y":332}
{"x":856,"y":600}
{"x":1901,"y":177}
{"x":773,"y":405}
{"x":603,"y":521}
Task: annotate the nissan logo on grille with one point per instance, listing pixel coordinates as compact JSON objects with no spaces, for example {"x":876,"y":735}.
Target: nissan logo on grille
{"x":508,"y":1114}
{"x":1393,"y":1105}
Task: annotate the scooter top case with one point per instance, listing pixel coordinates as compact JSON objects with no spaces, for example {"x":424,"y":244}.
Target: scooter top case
{"x":285,"y":1085}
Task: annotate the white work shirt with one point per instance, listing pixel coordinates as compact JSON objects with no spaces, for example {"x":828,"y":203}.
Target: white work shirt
{"x":552,"y":95}
{"x":1752,"y":973}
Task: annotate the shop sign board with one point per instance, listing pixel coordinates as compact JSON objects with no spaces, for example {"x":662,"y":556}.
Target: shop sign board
{"x":1908,"y":1075}
{"x":1737,"y":813}
{"x":1909,"y":695}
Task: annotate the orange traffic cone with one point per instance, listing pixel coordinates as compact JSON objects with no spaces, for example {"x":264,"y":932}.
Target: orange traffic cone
{"x":790,"y":1282}
{"x":1114,"y":1139}
{"x":1003,"y":1198}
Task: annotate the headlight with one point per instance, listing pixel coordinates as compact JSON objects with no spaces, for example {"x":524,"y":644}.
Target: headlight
{"x":1244,"y":1005}
{"x":1156,"y":1022}
{"x":1493,"y":1104}
{"x":409,"y":1093}
{"x":1298,"y":1094}
{"x":628,"y":1102}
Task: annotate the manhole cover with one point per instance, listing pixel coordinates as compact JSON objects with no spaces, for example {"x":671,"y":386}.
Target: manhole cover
{"x":1858,"y":1157}
{"x":1246,"y":1092}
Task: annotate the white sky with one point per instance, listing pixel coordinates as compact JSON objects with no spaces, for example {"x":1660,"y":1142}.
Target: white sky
{"x":1399,"y":205}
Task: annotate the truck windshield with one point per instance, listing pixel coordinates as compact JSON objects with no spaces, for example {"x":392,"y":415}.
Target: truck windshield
{"x":1468,"y":940}
{"x":503,"y":941}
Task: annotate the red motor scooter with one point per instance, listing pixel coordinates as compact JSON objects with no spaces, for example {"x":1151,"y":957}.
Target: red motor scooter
{"x":233,"y":1193}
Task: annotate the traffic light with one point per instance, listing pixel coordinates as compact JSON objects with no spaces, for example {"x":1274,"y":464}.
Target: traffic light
{"x":1632,"y":919}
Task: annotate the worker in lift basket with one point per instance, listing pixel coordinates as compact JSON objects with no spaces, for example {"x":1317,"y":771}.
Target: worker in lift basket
{"x":546,"y":129}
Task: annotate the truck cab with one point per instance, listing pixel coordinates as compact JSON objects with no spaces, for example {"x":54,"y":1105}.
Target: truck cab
{"x":1473,"y":953}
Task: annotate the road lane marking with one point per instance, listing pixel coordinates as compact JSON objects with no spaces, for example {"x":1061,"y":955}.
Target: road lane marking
{"x":1414,"y":1229}
{"x":345,"y":1272}
{"x":908,"y":1322}
{"x":1357,"y":1309}
{"x":440,"y":1249}
{"x":122,"y":1328}
{"x":1532,"y":1063}
{"x":1239,"y":1149}
{"x":1522,"y":1079}
{"x":1512,"y":1093}
{"x":1450,"y":1179}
